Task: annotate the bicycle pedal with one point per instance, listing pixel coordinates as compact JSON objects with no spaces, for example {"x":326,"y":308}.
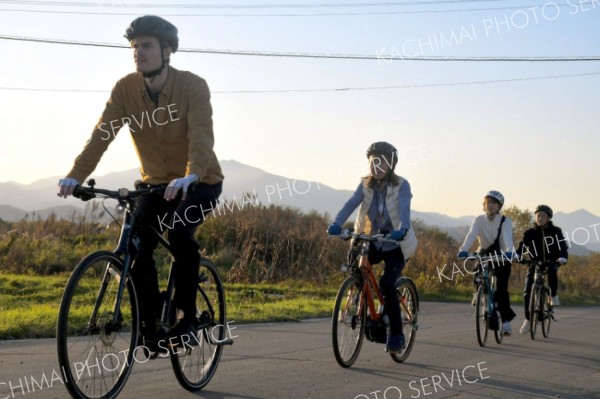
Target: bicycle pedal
{"x":150,"y":354}
{"x":227,"y":341}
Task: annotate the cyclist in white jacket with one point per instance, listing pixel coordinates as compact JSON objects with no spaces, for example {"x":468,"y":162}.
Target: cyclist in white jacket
{"x":494,"y":232}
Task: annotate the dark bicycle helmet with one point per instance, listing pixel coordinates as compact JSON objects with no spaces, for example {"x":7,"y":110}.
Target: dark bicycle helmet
{"x":546,"y":209}
{"x":163,"y":30}
{"x":497,"y":195}
{"x":388,"y":151}
{"x":151,"y":25}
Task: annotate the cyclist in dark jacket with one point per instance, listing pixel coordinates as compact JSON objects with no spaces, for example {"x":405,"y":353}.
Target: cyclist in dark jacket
{"x":543,"y":242}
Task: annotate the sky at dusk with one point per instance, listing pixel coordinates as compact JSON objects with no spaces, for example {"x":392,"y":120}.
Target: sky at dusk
{"x":526,"y":128}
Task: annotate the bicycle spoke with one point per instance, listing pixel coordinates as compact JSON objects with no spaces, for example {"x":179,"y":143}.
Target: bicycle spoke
{"x":194,"y":363}
{"x":96,"y":354}
{"x":408,"y":315}
{"x":348,"y":323}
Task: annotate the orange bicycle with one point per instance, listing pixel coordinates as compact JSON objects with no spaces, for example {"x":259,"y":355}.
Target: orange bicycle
{"x":359,"y":307}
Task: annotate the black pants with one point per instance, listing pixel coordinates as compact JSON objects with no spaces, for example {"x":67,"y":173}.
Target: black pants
{"x":502,"y":272}
{"x":394,"y":264}
{"x":180,"y":219}
{"x":552,"y":281}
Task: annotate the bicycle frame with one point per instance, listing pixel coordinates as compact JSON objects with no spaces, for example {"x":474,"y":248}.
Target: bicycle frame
{"x":370,"y":289}
{"x":489,"y":282}
{"x":369,"y":284}
{"x":540,"y":277}
{"x":126,"y":241}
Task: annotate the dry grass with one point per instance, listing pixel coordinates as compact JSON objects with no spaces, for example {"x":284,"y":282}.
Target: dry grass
{"x":269,"y":244}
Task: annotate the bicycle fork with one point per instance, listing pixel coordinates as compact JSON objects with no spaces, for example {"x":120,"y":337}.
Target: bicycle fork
{"x":407,"y":317}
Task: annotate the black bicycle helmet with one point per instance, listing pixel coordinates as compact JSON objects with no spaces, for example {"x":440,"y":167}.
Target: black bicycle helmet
{"x":388,"y":151}
{"x":546,"y":209}
{"x":151,"y":25}
{"x":163,"y":30}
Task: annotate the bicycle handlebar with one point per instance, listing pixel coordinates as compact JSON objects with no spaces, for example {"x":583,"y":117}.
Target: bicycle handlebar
{"x":542,"y":263}
{"x":347,"y":234}
{"x":122,"y":194}
{"x":482,"y":258}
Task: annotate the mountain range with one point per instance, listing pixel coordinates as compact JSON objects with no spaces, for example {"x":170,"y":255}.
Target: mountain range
{"x":243,"y":182}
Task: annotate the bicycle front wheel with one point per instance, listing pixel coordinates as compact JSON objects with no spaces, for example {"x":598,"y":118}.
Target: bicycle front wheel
{"x":96,"y":339}
{"x":407,"y":294}
{"x":546,"y":312}
{"x":481,"y":317}
{"x":498,"y":334}
{"x":534,"y":309}
{"x":347,"y":324}
{"x":195,"y":363}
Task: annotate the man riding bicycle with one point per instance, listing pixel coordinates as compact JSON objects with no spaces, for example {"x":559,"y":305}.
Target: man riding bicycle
{"x":169,"y":116}
{"x":543,"y":242}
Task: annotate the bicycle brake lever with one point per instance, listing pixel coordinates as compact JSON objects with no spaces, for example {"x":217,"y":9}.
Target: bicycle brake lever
{"x":83,"y":194}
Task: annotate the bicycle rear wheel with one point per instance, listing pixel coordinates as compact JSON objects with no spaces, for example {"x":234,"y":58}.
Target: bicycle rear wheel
{"x":546,"y":312}
{"x":534,"y":309}
{"x":195,"y":363}
{"x":95,"y":351}
{"x":481,"y":317}
{"x":347,"y":325}
{"x":407,"y":294}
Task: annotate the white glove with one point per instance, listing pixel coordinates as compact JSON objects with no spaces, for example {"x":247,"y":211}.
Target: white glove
{"x":182,"y":183}
{"x":562,"y":261}
{"x":66,"y":186}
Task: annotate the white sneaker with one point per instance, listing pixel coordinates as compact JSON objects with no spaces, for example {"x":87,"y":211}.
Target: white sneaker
{"x":525,"y":327}
{"x":506,"y":328}
{"x":474,"y":299}
{"x":555,"y":301}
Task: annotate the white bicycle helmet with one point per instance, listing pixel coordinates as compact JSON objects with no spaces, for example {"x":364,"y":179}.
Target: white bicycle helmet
{"x":497,"y":195}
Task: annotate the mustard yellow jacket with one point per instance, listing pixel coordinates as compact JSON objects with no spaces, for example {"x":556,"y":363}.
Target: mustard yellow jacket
{"x":172,"y":140}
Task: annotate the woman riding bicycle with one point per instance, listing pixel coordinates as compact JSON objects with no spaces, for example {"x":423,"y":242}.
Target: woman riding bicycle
{"x":494,"y":232}
{"x":543,"y":242}
{"x":383,"y":201}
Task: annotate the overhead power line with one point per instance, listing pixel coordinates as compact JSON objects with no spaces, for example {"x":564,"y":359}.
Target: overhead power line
{"x":320,"y":56}
{"x":414,"y":86}
{"x":104,"y":11}
{"x":101,"y":3}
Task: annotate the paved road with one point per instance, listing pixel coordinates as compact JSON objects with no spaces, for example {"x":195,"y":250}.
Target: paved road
{"x":295,"y":360}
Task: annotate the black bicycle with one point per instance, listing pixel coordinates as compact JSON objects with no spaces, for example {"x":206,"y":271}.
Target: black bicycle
{"x":540,"y":300}
{"x":487,"y":316}
{"x":98,"y":322}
